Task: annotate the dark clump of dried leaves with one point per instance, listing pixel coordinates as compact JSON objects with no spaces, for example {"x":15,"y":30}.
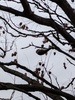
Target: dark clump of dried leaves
{"x":14,"y":54}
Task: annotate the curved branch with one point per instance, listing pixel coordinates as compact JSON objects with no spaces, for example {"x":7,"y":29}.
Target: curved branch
{"x":42,"y":21}
{"x":25,"y":4}
{"x":26,"y":69}
{"x":11,"y":10}
{"x":32,"y":88}
{"x":29,"y":80}
{"x":4,"y":53}
{"x":67,"y":9}
{"x":22,"y":76}
{"x":7,"y":86}
{"x":58,"y":49}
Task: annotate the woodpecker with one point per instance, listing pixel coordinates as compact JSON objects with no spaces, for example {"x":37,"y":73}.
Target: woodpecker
{"x":42,"y":51}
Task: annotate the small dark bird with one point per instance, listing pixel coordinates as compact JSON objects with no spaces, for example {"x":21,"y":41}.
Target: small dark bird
{"x":42,"y":51}
{"x":72,"y":0}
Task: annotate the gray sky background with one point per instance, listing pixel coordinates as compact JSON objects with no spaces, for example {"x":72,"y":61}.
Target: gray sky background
{"x":29,"y":58}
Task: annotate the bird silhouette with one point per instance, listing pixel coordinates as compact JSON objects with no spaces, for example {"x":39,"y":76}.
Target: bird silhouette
{"x":42,"y":51}
{"x":72,"y":0}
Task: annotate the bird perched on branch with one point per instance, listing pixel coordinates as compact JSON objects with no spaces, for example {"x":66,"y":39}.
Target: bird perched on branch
{"x":72,"y":0}
{"x":43,"y":51}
